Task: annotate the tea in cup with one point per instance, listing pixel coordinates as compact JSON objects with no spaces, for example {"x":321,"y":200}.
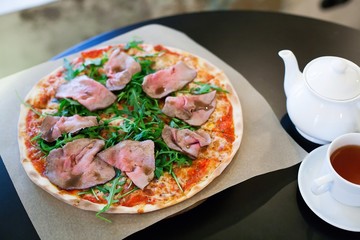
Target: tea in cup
{"x":342,"y":163}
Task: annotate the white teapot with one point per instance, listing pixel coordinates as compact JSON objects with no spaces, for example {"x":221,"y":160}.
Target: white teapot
{"x":323,"y":102}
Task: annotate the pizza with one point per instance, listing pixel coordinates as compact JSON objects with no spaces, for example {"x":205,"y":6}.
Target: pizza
{"x":129,"y":128}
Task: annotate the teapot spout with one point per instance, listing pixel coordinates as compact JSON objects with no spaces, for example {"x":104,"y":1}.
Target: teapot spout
{"x":293,"y":76}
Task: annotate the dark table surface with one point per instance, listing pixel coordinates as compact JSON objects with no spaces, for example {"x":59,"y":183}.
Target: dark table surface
{"x":264,"y":207}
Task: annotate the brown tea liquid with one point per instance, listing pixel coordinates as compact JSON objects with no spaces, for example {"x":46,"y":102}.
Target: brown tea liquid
{"x":346,"y":162}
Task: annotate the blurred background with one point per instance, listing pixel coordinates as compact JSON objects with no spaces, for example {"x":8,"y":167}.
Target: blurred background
{"x":33,"y":31}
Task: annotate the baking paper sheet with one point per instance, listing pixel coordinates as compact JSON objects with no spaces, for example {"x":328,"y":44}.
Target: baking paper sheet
{"x":265,"y":147}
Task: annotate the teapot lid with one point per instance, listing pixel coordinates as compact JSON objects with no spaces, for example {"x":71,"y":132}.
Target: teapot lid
{"x":333,"y":77}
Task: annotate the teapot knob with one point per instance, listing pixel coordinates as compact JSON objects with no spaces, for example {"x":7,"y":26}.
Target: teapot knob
{"x":338,"y":65}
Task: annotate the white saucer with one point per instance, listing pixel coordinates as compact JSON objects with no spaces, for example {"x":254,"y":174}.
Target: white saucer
{"x":323,"y":205}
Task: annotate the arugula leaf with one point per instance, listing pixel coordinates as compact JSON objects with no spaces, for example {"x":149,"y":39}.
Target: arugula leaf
{"x":177,"y":123}
{"x":95,"y":62}
{"x":46,"y":147}
{"x":176,"y":180}
{"x":166,"y":157}
{"x":112,"y":193}
{"x":151,"y":55}
{"x":114,"y":138}
{"x":133,"y":44}
{"x":70,"y":73}
{"x":89,"y":191}
{"x":204,"y":88}
{"x":69,"y":107}
{"x":90,"y":67}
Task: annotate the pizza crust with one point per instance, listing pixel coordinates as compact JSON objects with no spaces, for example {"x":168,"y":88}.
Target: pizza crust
{"x":77,"y":201}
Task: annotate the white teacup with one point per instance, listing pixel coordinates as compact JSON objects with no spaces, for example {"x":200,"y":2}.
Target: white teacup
{"x":340,"y":163}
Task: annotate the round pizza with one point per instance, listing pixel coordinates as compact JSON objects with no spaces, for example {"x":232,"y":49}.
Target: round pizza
{"x":129,"y":128}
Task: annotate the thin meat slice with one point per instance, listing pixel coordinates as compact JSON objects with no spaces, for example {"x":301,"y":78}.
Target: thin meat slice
{"x":119,"y":69}
{"x":185,"y":140}
{"x":88,"y":92}
{"x":166,"y":81}
{"x":193,"y":109}
{"x":75,"y":166}
{"x":134,"y":158}
{"x":53,"y":127}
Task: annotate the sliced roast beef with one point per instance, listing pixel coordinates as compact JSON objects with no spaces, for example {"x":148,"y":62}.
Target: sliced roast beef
{"x":134,"y":158}
{"x":185,"y":140}
{"x":193,"y":109}
{"x":166,"y":81}
{"x":75,"y":166}
{"x":119,"y":69}
{"x":52,"y":127}
{"x":90,"y":93}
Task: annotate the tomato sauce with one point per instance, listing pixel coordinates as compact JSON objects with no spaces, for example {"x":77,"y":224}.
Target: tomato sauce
{"x":205,"y":75}
{"x":34,"y":154}
{"x":161,"y":48}
{"x":39,"y":165}
{"x":93,"y":199}
{"x":60,"y":73}
{"x":138,"y":199}
{"x":225,"y":126}
{"x":196,"y":172}
{"x":94,"y":53}
{"x":73,"y":192}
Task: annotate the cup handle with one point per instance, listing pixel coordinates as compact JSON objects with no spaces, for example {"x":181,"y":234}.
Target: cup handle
{"x":321,"y":184}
